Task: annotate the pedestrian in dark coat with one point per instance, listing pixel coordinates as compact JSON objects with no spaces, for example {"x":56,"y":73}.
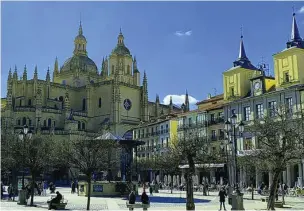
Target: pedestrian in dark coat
{"x":222,"y":194}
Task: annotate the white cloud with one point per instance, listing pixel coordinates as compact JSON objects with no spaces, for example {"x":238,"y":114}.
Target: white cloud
{"x":181,"y":33}
{"x":179,"y":99}
{"x":301,"y":10}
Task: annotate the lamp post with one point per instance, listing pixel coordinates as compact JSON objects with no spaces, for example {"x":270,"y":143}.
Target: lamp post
{"x":224,"y":151}
{"x":231,"y":130}
{"x":25,"y":134}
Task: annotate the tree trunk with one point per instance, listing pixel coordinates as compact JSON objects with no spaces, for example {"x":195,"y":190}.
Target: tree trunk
{"x":273,"y":190}
{"x":189,"y":185}
{"x":89,"y":179}
{"x":33,"y":189}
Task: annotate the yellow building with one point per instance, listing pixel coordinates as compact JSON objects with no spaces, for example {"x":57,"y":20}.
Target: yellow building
{"x":80,"y":99}
{"x":250,"y":94}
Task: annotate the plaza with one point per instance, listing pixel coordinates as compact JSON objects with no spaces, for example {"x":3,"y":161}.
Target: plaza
{"x":211,"y":202}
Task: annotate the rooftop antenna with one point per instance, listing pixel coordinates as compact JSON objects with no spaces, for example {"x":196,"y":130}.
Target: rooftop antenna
{"x":241,"y":31}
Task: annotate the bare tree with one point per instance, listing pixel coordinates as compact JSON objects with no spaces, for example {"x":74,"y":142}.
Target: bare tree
{"x":280,"y":141}
{"x":191,"y":148}
{"x":89,"y":156}
{"x":35,"y":153}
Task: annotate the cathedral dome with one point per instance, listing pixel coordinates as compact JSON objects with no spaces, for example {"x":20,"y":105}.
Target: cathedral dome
{"x":82,"y":62}
{"x":121,"y":50}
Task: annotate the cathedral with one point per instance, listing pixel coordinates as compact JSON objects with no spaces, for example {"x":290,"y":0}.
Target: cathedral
{"x":80,"y":99}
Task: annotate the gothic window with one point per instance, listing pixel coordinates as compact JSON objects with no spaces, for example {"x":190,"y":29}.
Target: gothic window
{"x":128,"y":69}
{"x":29,"y":102}
{"x":24,"y":121}
{"x":49,"y":122}
{"x":84,"y":104}
{"x":83,"y":126}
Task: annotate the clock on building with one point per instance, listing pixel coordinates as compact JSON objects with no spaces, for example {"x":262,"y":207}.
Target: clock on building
{"x":127,"y":104}
{"x":257,"y":85}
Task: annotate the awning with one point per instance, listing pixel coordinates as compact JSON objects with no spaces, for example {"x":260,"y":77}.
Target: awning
{"x":211,"y":165}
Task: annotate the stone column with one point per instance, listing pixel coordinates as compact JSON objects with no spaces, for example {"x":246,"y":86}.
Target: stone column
{"x":284,"y":177}
{"x":270,"y":178}
{"x":288,"y":176}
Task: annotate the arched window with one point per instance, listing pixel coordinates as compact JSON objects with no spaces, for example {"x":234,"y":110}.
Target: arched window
{"x":84,"y":104}
{"x":79,"y":125}
{"x":29,"y":102}
{"x":61,"y":98}
{"x":24,"y":121}
{"x":54,"y":123}
{"x":19,"y":122}
{"x":99,"y":102}
{"x":44,"y":123}
{"x":20,"y":103}
{"x":49,"y":122}
{"x":128,"y":69}
{"x":30,"y":122}
{"x":83,"y":126}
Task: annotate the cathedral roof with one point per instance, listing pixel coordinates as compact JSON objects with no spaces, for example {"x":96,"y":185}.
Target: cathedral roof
{"x":82,"y":62}
{"x":120,"y":48}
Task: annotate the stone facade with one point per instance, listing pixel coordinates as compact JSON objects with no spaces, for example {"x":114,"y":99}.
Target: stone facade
{"x":81,"y":100}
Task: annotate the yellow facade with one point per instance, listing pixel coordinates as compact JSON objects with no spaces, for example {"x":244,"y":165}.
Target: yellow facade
{"x":80,"y":98}
{"x":288,"y":67}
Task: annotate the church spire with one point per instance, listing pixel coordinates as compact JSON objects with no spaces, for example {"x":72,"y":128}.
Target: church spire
{"x":120,"y":39}
{"x":48,"y":77}
{"x":9,"y":74}
{"x":187,"y":105}
{"x":295,"y":38}
{"x":36,"y":73}
{"x":24,"y":73}
{"x":80,"y":43}
{"x":15,"y":75}
{"x":242,"y":52}
{"x":56,"y":70}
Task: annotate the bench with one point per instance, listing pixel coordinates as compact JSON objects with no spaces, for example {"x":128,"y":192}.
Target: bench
{"x":137,"y":205}
{"x":265,"y":199}
{"x":58,"y":206}
{"x":278,"y":204}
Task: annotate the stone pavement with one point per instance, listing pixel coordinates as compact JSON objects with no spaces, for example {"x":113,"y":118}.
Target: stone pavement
{"x":99,"y":203}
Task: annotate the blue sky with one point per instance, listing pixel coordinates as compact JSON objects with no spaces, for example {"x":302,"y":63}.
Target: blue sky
{"x":36,"y":32}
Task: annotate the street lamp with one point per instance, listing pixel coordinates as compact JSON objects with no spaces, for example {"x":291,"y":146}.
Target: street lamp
{"x":231,"y":130}
{"x":24,"y":134}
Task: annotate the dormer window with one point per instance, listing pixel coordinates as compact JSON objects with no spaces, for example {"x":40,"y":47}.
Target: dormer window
{"x":232,"y":91}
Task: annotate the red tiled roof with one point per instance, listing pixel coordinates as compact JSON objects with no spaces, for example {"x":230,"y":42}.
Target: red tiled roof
{"x":215,"y":98}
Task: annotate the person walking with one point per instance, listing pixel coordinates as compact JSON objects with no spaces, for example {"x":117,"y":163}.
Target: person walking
{"x":222,"y":194}
{"x":73,"y":187}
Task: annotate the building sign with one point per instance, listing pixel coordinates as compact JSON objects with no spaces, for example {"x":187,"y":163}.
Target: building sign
{"x":97,"y":188}
{"x":127,"y":104}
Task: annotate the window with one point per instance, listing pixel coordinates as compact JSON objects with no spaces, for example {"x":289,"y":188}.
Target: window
{"x":29,"y":102}
{"x":64,"y":82}
{"x":272,"y":106}
{"x":247,"y":113}
{"x":259,"y":111}
{"x":212,"y":118}
{"x":232,"y":111}
{"x":83,"y":126}
{"x":247,"y":144}
{"x":286,"y":77}
{"x":220,"y":115}
{"x":23,"y":121}
{"x":221,"y":134}
{"x":44,"y":123}
{"x":162,"y":142}
{"x":190,"y":121}
{"x":288,"y":103}
{"x":83,"y":104}
{"x":232,"y":91}
{"x":79,"y":125}
{"x":162,"y":129}
{"x":20,"y":103}
{"x":30,"y":122}
{"x":61,"y":98}
{"x":213,"y":134}
{"x":99,"y":102}
{"x":49,"y":122}
{"x":54,"y":123}
{"x":19,"y":122}
{"x":167,"y":128}
{"x":112,"y":69}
